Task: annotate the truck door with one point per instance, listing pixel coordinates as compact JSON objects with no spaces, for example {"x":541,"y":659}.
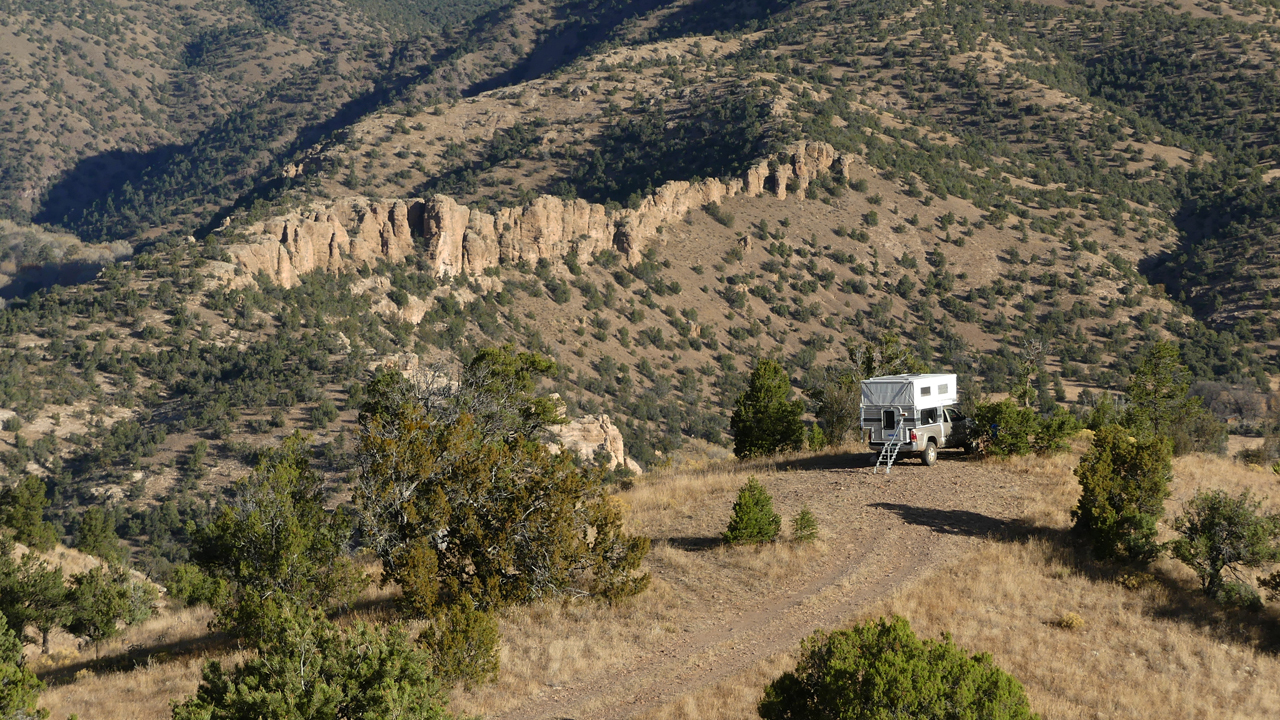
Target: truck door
{"x":957,"y":430}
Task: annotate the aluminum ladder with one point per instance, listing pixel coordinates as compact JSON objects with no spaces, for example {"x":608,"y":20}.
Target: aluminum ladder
{"x":889,"y":452}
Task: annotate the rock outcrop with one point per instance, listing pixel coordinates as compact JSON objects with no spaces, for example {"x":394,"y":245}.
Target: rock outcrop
{"x":348,"y":233}
{"x":590,"y":435}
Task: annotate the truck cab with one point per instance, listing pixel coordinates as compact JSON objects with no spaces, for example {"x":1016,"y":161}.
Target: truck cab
{"x":914,"y":414}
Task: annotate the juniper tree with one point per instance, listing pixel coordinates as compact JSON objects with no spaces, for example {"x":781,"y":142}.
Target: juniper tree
{"x":462,"y":502}
{"x":22,"y":508}
{"x":309,"y":668}
{"x":96,"y":535}
{"x":32,"y":594}
{"x":277,"y":545}
{"x":1221,"y":533}
{"x":766,"y":420}
{"x":19,"y":687}
{"x":1123,"y":482}
{"x":1160,"y":404}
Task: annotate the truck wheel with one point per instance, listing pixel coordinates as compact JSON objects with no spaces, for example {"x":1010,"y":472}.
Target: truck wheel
{"x":930,"y":454}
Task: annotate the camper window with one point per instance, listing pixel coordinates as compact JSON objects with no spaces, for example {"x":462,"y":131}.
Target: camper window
{"x":942,"y":389}
{"x":926,"y":391}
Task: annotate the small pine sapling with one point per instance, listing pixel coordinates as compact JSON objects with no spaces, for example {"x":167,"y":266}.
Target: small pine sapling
{"x":804,"y":526}
{"x":754,"y":520}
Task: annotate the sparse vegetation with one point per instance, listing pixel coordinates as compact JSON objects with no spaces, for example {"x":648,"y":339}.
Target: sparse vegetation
{"x":1105,"y":201}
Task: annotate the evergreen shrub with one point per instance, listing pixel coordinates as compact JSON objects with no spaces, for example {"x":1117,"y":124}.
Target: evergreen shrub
{"x":881,"y":670}
{"x":754,"y":520}
{"x":1124,"y":482}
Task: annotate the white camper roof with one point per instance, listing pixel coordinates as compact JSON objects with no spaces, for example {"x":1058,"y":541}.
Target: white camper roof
{"x":918,"y":391}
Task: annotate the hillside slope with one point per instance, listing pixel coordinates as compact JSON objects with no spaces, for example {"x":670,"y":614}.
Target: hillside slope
{"x":990,"y":181}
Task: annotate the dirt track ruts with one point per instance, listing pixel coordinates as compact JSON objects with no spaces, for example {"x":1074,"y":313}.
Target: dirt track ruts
{"x":880,"y":533}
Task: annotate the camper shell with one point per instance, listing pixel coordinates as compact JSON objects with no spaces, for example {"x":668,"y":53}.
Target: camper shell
{"x":919,"y":411}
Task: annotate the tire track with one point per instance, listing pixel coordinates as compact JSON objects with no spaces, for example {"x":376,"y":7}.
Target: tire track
{"x":900,"y":540}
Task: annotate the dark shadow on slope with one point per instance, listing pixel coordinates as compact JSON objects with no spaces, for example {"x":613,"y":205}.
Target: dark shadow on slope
{"x":948,"y":522}
{"x":116,"y":195}
{"x":32,"y":279}
{"x":98,"y":179}
{"x":707,"y":17}
{"x":694,"y":544}
{"x":136,"y":656}
{"x":585,"y":24}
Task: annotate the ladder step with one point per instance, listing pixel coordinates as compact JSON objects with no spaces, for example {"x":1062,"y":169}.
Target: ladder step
{"x":888,"y":453}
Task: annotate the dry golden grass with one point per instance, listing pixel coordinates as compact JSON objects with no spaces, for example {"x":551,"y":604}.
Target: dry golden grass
{"x":133,"y":676}
{"x":1119,"y":659}
{"x":142,"y":693}
{"x":1086,"y":640}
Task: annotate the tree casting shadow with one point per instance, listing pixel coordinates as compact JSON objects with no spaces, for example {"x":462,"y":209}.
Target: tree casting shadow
{"x":948,"y":522}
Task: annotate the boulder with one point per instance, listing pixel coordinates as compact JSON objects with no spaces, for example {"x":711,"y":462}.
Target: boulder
{"x":591,"y":434}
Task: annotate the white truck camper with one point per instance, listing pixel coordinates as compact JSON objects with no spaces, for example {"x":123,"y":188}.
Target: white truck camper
{"x":914,"y":414}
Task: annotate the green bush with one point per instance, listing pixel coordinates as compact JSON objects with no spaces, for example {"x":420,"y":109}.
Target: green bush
{"x":1240,"y":594}
{"x":103,"y":598}
{"x":804,"y":526}
{"x":309,"y":668}
{"x":815,"y":439}
{"x":1053,"y":432}
{"x":1003,"y":429}
{"x":1224,"y":533}
{"x":19,"y":687}
{"x":463,"y":644}
{"x":719,"y":214}
{"x":1123,"y":482}
{"x":192,"y":587}
{"x":275,"y":543}
{"x":766,"y":420}
{"x":881,"y":671}
{"x":754,"y":520}
{"x":22,"y":508}
{"x":96,"y":536}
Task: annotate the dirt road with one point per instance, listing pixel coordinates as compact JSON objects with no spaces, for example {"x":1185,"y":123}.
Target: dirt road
{"x":877,"y":533}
